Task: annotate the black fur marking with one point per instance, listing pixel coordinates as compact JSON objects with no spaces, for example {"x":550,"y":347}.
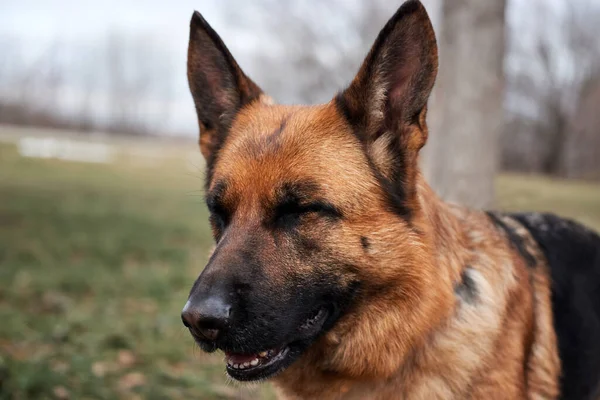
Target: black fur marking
{"x":214,"y":198}
{"x":515,"y":240}
{"x":297,"y":191}
{"x":308,"y":245}
{"x":268,"y":313}
{"x":394,"y":190}
{"x":212,"y":160}
{"x":274,"y":136}
{"x":295,"y":200}
{"x":354,"y":117}
{"x":573,"y":255}
{"x":466,"y":288}
{"x":258,"y":145}
{"x":364,"y":241}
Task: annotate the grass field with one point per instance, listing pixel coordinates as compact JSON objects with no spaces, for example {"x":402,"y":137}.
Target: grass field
{"x":95,"y":265}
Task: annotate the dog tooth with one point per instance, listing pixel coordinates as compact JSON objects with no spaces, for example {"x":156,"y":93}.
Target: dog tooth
{"x":262,"y":354}
{"x":246,"y":364}
{"x":236,"y":366}
{"x":254,"y":362}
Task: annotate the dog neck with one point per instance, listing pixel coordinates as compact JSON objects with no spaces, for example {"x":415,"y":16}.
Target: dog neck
{"x":441,"y":342}
{"x":445,"y":230}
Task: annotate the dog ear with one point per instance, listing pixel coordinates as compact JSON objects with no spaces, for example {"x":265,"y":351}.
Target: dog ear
{"x":386,"y":102}
{"x":218,"y":85}
{"x":394,"y":82}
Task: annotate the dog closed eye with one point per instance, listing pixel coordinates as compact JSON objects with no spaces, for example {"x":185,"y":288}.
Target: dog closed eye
{"x":289,"y":213}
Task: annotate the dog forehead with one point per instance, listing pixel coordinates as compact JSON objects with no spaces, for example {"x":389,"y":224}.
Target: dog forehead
{"x":270,"y":145}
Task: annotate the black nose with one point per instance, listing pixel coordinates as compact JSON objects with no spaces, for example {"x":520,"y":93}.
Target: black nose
{"x":206,"y":317}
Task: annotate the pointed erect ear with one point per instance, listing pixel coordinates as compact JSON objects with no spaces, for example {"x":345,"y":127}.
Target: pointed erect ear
{"x":392,"y":86}
{"x":386,"y":102}
{"x":218,"y":85}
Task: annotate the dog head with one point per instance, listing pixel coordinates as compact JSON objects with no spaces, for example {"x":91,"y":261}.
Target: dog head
{"x":314,"y":209}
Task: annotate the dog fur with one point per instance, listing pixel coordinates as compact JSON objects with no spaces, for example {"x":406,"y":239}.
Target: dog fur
{"x":430,"y":300}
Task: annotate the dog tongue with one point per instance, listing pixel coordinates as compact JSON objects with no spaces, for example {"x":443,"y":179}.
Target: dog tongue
{"x":240,"y":358}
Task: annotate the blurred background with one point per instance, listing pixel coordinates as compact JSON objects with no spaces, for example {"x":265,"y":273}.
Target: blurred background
{"x":102,"y":223}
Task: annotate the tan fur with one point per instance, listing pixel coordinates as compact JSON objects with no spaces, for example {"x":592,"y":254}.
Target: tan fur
{"x":411,"y":332}
{"x":410,"y":336}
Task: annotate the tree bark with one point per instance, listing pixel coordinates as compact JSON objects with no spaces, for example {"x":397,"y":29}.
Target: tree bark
{"x":466,"y":112}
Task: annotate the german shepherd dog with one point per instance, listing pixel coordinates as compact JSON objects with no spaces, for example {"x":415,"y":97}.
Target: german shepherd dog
{"x":338,"y":272}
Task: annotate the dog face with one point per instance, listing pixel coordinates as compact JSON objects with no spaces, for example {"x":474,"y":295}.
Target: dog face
{"x":308,"y":204}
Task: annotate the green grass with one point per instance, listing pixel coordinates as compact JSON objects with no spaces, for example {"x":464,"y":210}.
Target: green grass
{"x":572,"y":199}
{"x":96,"y":263}
{"x":95,"y":266}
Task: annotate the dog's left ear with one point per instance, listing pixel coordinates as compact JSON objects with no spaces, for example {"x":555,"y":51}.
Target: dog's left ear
{"x":387,"y":100}
{"x":218,"y":85}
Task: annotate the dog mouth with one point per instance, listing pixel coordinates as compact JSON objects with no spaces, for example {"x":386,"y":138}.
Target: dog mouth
{"x":269,"y":362}
{"x":247,"y":367}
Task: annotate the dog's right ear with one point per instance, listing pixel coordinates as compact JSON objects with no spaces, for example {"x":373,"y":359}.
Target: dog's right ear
{"x":386,"y":103}
{"x":218,"y":85}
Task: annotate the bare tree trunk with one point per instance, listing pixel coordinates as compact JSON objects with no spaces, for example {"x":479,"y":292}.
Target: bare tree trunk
{"x":467,"y":109}
{"x":428,"y":153}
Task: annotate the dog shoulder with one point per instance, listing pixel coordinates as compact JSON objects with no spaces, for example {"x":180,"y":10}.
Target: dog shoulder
{"x":572,"y":252}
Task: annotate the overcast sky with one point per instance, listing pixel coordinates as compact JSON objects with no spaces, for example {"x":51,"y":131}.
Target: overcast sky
{"x":38,"y":24}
